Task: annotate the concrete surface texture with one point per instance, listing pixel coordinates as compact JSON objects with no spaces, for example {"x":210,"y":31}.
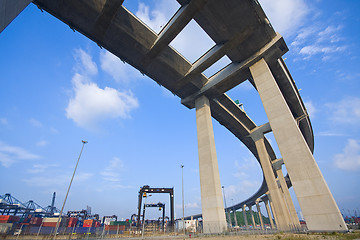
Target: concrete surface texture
{"x":9,"y":10}
{"x":211,"y":195}
{"x":317,"y":203}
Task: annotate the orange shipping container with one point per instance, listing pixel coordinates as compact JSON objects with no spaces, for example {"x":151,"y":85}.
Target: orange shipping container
{"x":88,"y":223}
{"x":9,"y":218}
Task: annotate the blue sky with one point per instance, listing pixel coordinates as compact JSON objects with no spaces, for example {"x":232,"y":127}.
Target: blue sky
{"x":58,"y":87}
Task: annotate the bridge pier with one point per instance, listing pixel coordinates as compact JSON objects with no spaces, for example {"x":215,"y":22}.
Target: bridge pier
{"x":269,"y":214}
{"x":213,"y":213}
{"x":277,"y":164}
{"x":235,"y":218}
{"x":259,"y":213}
{"x":282,"y":218}
{"x":245,"y":217}
{"x":316,"y":201}
{"x":252,"y":217}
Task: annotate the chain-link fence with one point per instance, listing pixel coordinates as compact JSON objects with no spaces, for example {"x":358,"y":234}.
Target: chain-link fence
{"x":150,"y":231}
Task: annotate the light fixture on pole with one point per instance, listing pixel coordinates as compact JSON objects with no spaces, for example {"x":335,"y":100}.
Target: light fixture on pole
{"x":67,"y":193}
{"x":183,"y":206}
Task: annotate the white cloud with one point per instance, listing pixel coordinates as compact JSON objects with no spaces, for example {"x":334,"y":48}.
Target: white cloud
{"x":85,"y":65}
{"x":40,"y":168}
{"x":192,"y":42}
{"x":35,"y":123}
{"x":285,"y":16}
{"x":91,"y":104}
{"x":310,"y":108}
{"x":157,"y":18}
{"x":11,"y":154}
{"x":111,"y":173}
{"x":119,"y":71}
{"x":42,"y":143}
{"x":349,"y":159}
{"x":60,"y":180}
{"x":346,"y":111}
{"x":3,"y":121}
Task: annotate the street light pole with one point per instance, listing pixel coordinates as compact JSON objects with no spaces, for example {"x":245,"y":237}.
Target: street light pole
{"x":225,"y":205}
{"x":67,"y":193}
{"x":143,"y":226}
{"x":182,"y":187}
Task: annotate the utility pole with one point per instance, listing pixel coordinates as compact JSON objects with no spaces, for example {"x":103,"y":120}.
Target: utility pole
{"x":183,"y":206}
{"x":62,"y":208}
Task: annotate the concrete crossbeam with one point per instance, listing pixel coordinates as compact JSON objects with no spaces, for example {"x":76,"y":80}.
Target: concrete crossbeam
{"x":316,"y":201}
{"x":176,"y":24}
{"x":213,"y":213}
{"x":9,"y":10}
{"x":276,"y":47}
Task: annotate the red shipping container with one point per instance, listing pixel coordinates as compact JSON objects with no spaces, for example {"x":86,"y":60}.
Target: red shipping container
{"x":49,"y":224}
{"x":72,"y":222}
{"x":9,"y":218}
{"x":36,"y":221}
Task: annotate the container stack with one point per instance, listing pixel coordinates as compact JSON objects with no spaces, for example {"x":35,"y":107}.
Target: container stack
{"x":51,"y":222}
{"x":36,"y":221}
{"x":72,"y":222}
{"x":9,"y":219}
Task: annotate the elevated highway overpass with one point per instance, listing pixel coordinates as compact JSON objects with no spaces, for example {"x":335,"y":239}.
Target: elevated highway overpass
{"x":242,"y":32}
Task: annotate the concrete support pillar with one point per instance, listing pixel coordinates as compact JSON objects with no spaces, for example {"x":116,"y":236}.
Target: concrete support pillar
{"x":272,"y":209}
{"x":213,"y":213}
{"x":252,"y":217}
{"x":9,"y":10}
{"x":269,"y":214}
{"x":260,"y":216}
{"x":245,"y":217}
{"x":316,"y":201}
{"x":235,"y":218}
{"x":279,"y":208}
{"x":277,"y":165}
{"x":229,"y":218}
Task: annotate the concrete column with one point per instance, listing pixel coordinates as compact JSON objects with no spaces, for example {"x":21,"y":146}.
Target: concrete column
{"x":289,"y":203}
{"x":252,"y":217}
{"x":269,"y":214}
{"x":245,"y":218}
{"x":9,"y":10}
{"x":316,"y":201}
{"x":235,"y":218}
{"x":279,"y":208}
{"x":272,"y":209}
{"x":229,"y":218}
{"x":213,"y":213}
{"x":260,"y":216}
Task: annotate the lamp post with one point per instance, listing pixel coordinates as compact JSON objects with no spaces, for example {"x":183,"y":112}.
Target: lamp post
{"x":182,"y":187}
{"x":67,"y":193}
{"x":225,"y":205}
{"x":143,"y":226}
